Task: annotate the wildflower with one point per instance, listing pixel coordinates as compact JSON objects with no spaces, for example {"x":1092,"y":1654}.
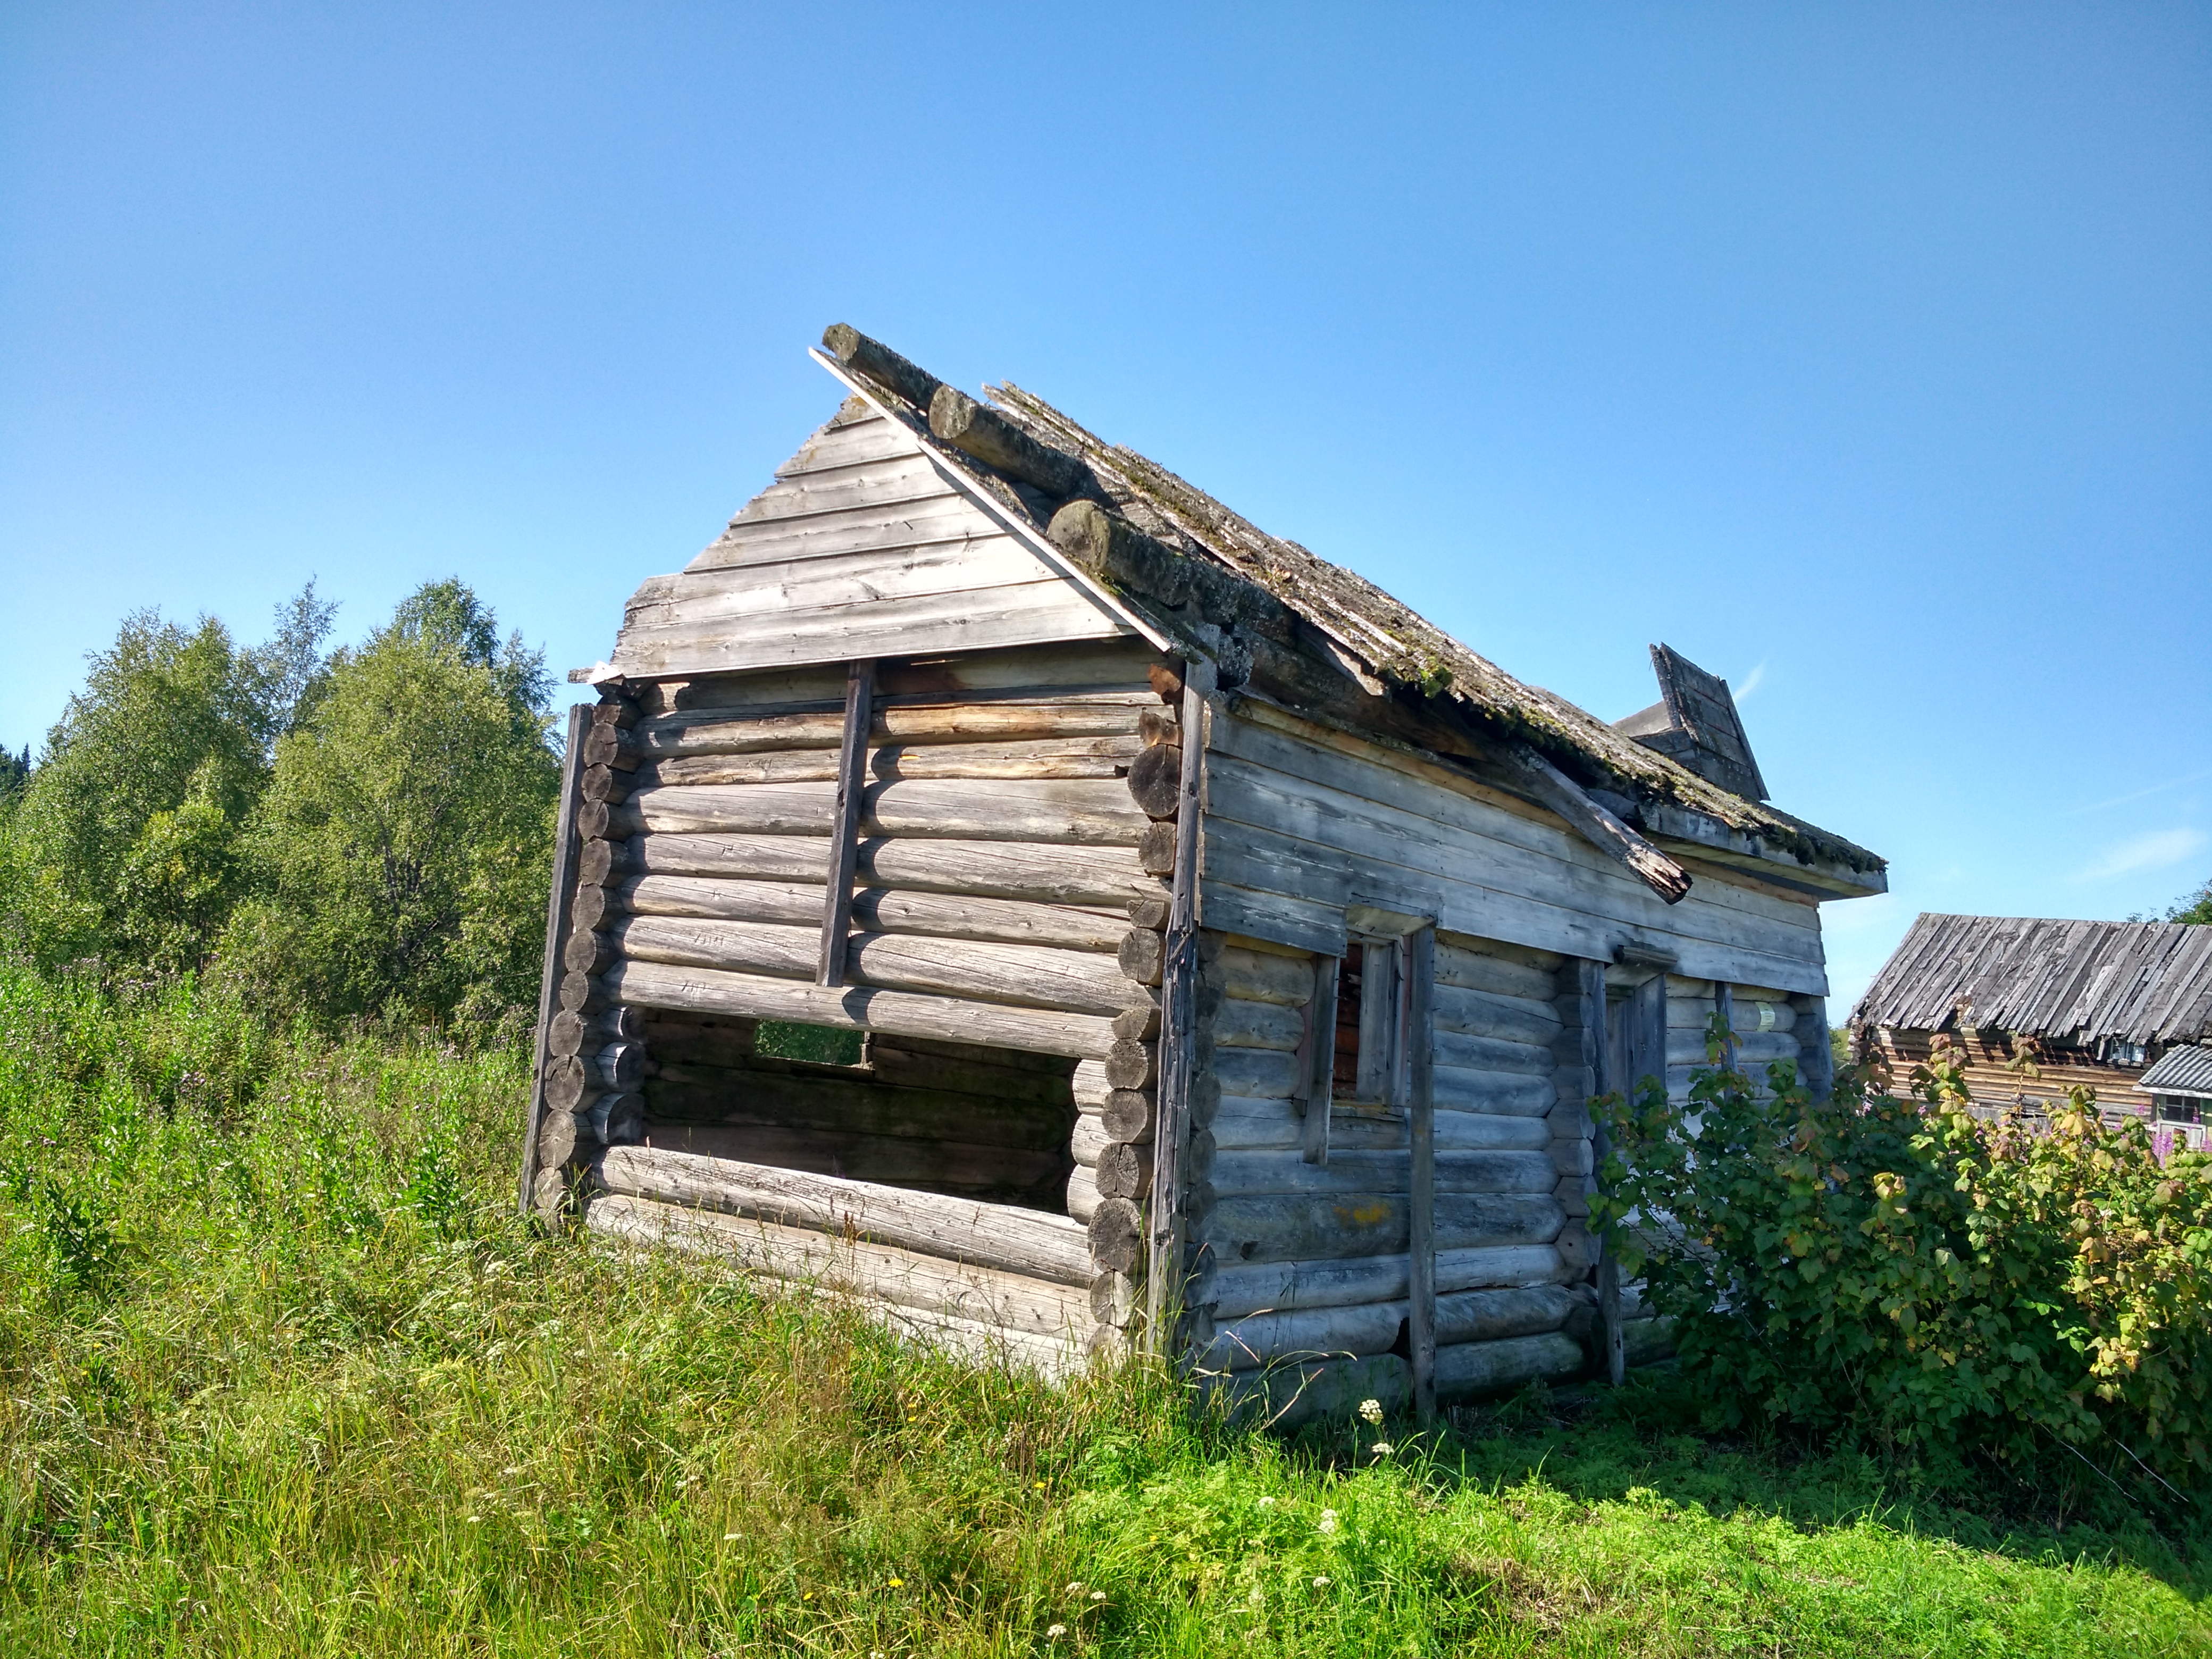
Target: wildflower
{"x":1321,"y":1582}
{"x":1040,"y":1485}
{"x":898,"y":1583}
{"x":1053,"y":1632}
{"x":475,"y":1519}
{"x":1075,"y":1587}
{"x":731,"y":1537}
{"x":1371,"y":1410}
{"x":1328,"y":1520}
{"x":1098,"y":1595}
{"x":1268,"y":1503}
{"x":1381,"y":1449}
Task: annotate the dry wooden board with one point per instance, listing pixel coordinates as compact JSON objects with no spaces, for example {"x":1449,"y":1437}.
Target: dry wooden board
{"x":1241,"y":1024}
{"x":1478,"y":971}
{"x":1015,"y":870}
{"x":998,"y":1174}
{"x":1092,"y":811}
{"x":973,"y":619}
{"x":1076,"y":981}
{"x":1264,"y":1338}
{"x":1481,"y":1053}
{"x":1510,"y":1094}
{"x":879,"y":910}
{"x":1025,"y":671}
{"x":1285,"y":1397}
{"x":1350,"y":1170}
{"x":1262,"y":976}
{"x":1238,"y":1289}
{"x":1240,"y":1125}
{"x":938,"y":518}
{"x":904,"y":1278}
{"x":1432,"y":793}
{"x":1046,"y":757}
{"x":1297,"y":1227}
{"x":1480,"y":1013}
{"x":1260,"y":837}
{"x":1025,"y":1242}
{"x":858,"y":1007}
{"x":1468,"y":1369}
{"x":1308,"y":923}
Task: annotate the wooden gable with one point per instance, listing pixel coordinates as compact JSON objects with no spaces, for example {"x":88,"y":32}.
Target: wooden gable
{"x":866,"y":545}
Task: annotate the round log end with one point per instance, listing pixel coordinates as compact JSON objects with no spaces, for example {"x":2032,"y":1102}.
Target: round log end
{"x":566,"y":1083}
{"x":1125,"y":1171}
{"x":566,"y":1035}
{"x":1131,"y":1066}
{"x":1143,"y":955}
{"x":1156,"y":781}
{"x":1129,"y":1116}
{"x":1156,"y":848}
{"x":560,"y":1137}
{"x":1117,"y":1235}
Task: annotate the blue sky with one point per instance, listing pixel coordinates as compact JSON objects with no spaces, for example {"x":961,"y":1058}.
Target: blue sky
{"x":1863,"y":354}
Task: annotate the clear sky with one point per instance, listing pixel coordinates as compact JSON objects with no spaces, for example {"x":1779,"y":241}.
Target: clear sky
{"x":1863,"y":353}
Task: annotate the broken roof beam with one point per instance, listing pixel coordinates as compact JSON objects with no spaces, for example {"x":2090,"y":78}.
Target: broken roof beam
{"x":1121,"y":555}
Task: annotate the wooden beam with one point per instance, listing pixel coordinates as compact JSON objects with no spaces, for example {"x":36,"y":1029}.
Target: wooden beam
{"x":1320,"y":1059}
{"x":1588,"y":992}
{"x":1178,"y":1023}
{"x":556,"y":938}
{"x":872,"y":358}
{"x":1420,"y":959}
{"x":845,"y":823}
{"x":979,"y":430}
{"x":1594,"y":822}
{"x":1724,"y":1006}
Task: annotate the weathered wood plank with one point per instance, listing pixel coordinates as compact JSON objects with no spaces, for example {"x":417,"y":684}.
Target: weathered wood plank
{"x":1053,"y":757}
{"x":752,"y":996}
{"x":1425,"y":1175}
{"x":1081,"y":811}
{"x":1352,"y":1169}
{"x":845,"y":822}
{"x":992,"y":1174}
{"x":558,"y":901}
{"x":875,"y":909}
{"x":1025,"y":1241}
{"x":1292,"y":1228}
{"x":751,"y":1098}
{"x":1048,"y":873}
{"x":1236,"y":1289}
{"x":1465,"y":1370}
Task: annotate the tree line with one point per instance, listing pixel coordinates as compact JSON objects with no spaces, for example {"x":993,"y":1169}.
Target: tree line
{"x":363,"y":831}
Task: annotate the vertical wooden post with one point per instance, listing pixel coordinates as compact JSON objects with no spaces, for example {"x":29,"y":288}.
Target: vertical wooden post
{"x":852,"y":785}
{"x":557,"y":935}
{"x":1724,"y":1006}
{"x":1816,"y":1061}
{"x":1178,"y":1023}
{"x":1597,"y":1054}
{"x":1420,"y":965}
{"x":1318,"y":1086}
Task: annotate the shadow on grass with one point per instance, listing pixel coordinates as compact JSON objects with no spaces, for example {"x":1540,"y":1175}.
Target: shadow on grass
{"x":1595,"y":1444}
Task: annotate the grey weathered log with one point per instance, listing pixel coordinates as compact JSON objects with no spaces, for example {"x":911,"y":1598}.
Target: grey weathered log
{"x":1096,"y":811}
{"x":601,"y":863}
{"x":1466,"y":1368}
{"x":710,"y":990}
{"x":1143,"y":955}
{"x":1113,"y":1298}
{"x":604,"y":783}
{"x":998,"y":1174}
{"x":879,"y":363}
{"x":1082,"y":1195}
{"x":1150,"y":913}
{"x":1156,"y":781}
{"x":571,"y":1030}
{"x":619,"y":1120}
{"x":619,"y":1065}
{"x":1493,"y":1315}
{"x":1132,"y":1065}
{"x":569,"y":1083}
{"x":581,"y":993}
{"x":589,"y":953}
{"x":1279,"y":1228}
{"x":1117,"y":1235}
{"x":1241,"y":1024}
{"x":603,"y":745}
{"x":1422,"y":1328}
{"x":1159,"y":726}
{"x":979,"y":430}
{"x":619,"y":712}
{"x":594,"y":909}
{"x":596,"y":820}
{"x":1594,"y":822}
{"x":1139,"y":1024}
{"x":1014,"y":1241}
{"x":1326,"y":1390}
{"x":1234,"y":1289}
{"x":1130,"y":1115}
{"x":1125,"y":1171}
{"x":1156,"y":848}
{"x":563,"y":1137}
{"x":1266,"y":1339}
{"x":551,"y":1195}
{"x":1262,"y":975}
{"x":1351,"y":1169}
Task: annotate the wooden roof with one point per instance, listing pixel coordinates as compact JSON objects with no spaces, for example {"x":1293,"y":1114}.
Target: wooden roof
{"x":2073,"y":982}
{"x":983,"y":483}
{"x":2187,"y":1070}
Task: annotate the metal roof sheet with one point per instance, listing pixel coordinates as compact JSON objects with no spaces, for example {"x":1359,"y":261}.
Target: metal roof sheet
{"x":2185,"y":1071}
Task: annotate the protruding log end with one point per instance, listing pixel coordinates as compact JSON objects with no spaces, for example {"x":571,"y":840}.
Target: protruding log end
{"x":1150,"y":913}
{"x":550,"y":1196}
{"x":877,"y":361}
{"x":1143,"y":955}
{"x":1156,"y":781}
{"x":979,"y":430}
{"x":1132,"y":1065}
{"x":1116,"y":551}
{"x":1117,"y":1235}
{"x":1156,"y":848}
{"x":1125,"y":1171}
{"x":588,"y":953}
{"x":1167,"y":683}
{"x":1129,"y":1116}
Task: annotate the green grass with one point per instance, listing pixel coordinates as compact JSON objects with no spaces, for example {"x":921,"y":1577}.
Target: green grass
{"x":282,"y":1376}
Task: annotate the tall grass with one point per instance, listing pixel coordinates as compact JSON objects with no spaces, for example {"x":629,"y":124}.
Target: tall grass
{"x":282,"y":1375}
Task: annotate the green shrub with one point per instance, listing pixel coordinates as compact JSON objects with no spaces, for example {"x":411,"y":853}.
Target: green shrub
{"x":1900,"y":1271}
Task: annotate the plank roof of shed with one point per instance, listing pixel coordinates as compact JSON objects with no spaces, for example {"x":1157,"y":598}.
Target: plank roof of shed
{"x":2076,"y":982}
{"x":2187,"y":1070}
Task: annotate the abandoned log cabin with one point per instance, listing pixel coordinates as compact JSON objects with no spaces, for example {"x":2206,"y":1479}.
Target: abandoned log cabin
{"x":1234,"y":952}
{"x":2033,"y":1007}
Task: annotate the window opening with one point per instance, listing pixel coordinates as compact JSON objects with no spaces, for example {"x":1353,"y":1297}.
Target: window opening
{"x":1371,"y":1016}
{"x":2176,"y":1110}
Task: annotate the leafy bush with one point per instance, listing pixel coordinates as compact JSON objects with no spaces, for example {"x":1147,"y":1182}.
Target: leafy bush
{"x":1900,"y":1270}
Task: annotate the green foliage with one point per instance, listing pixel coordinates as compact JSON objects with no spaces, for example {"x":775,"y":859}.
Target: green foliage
{"x":1903,"y":1271}
{"x":405,"y":842}
{"x":2195,"y":907}
{"x":825,"y":1045}
{"x":282,"y":1372}
{"x":123,"y":844}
